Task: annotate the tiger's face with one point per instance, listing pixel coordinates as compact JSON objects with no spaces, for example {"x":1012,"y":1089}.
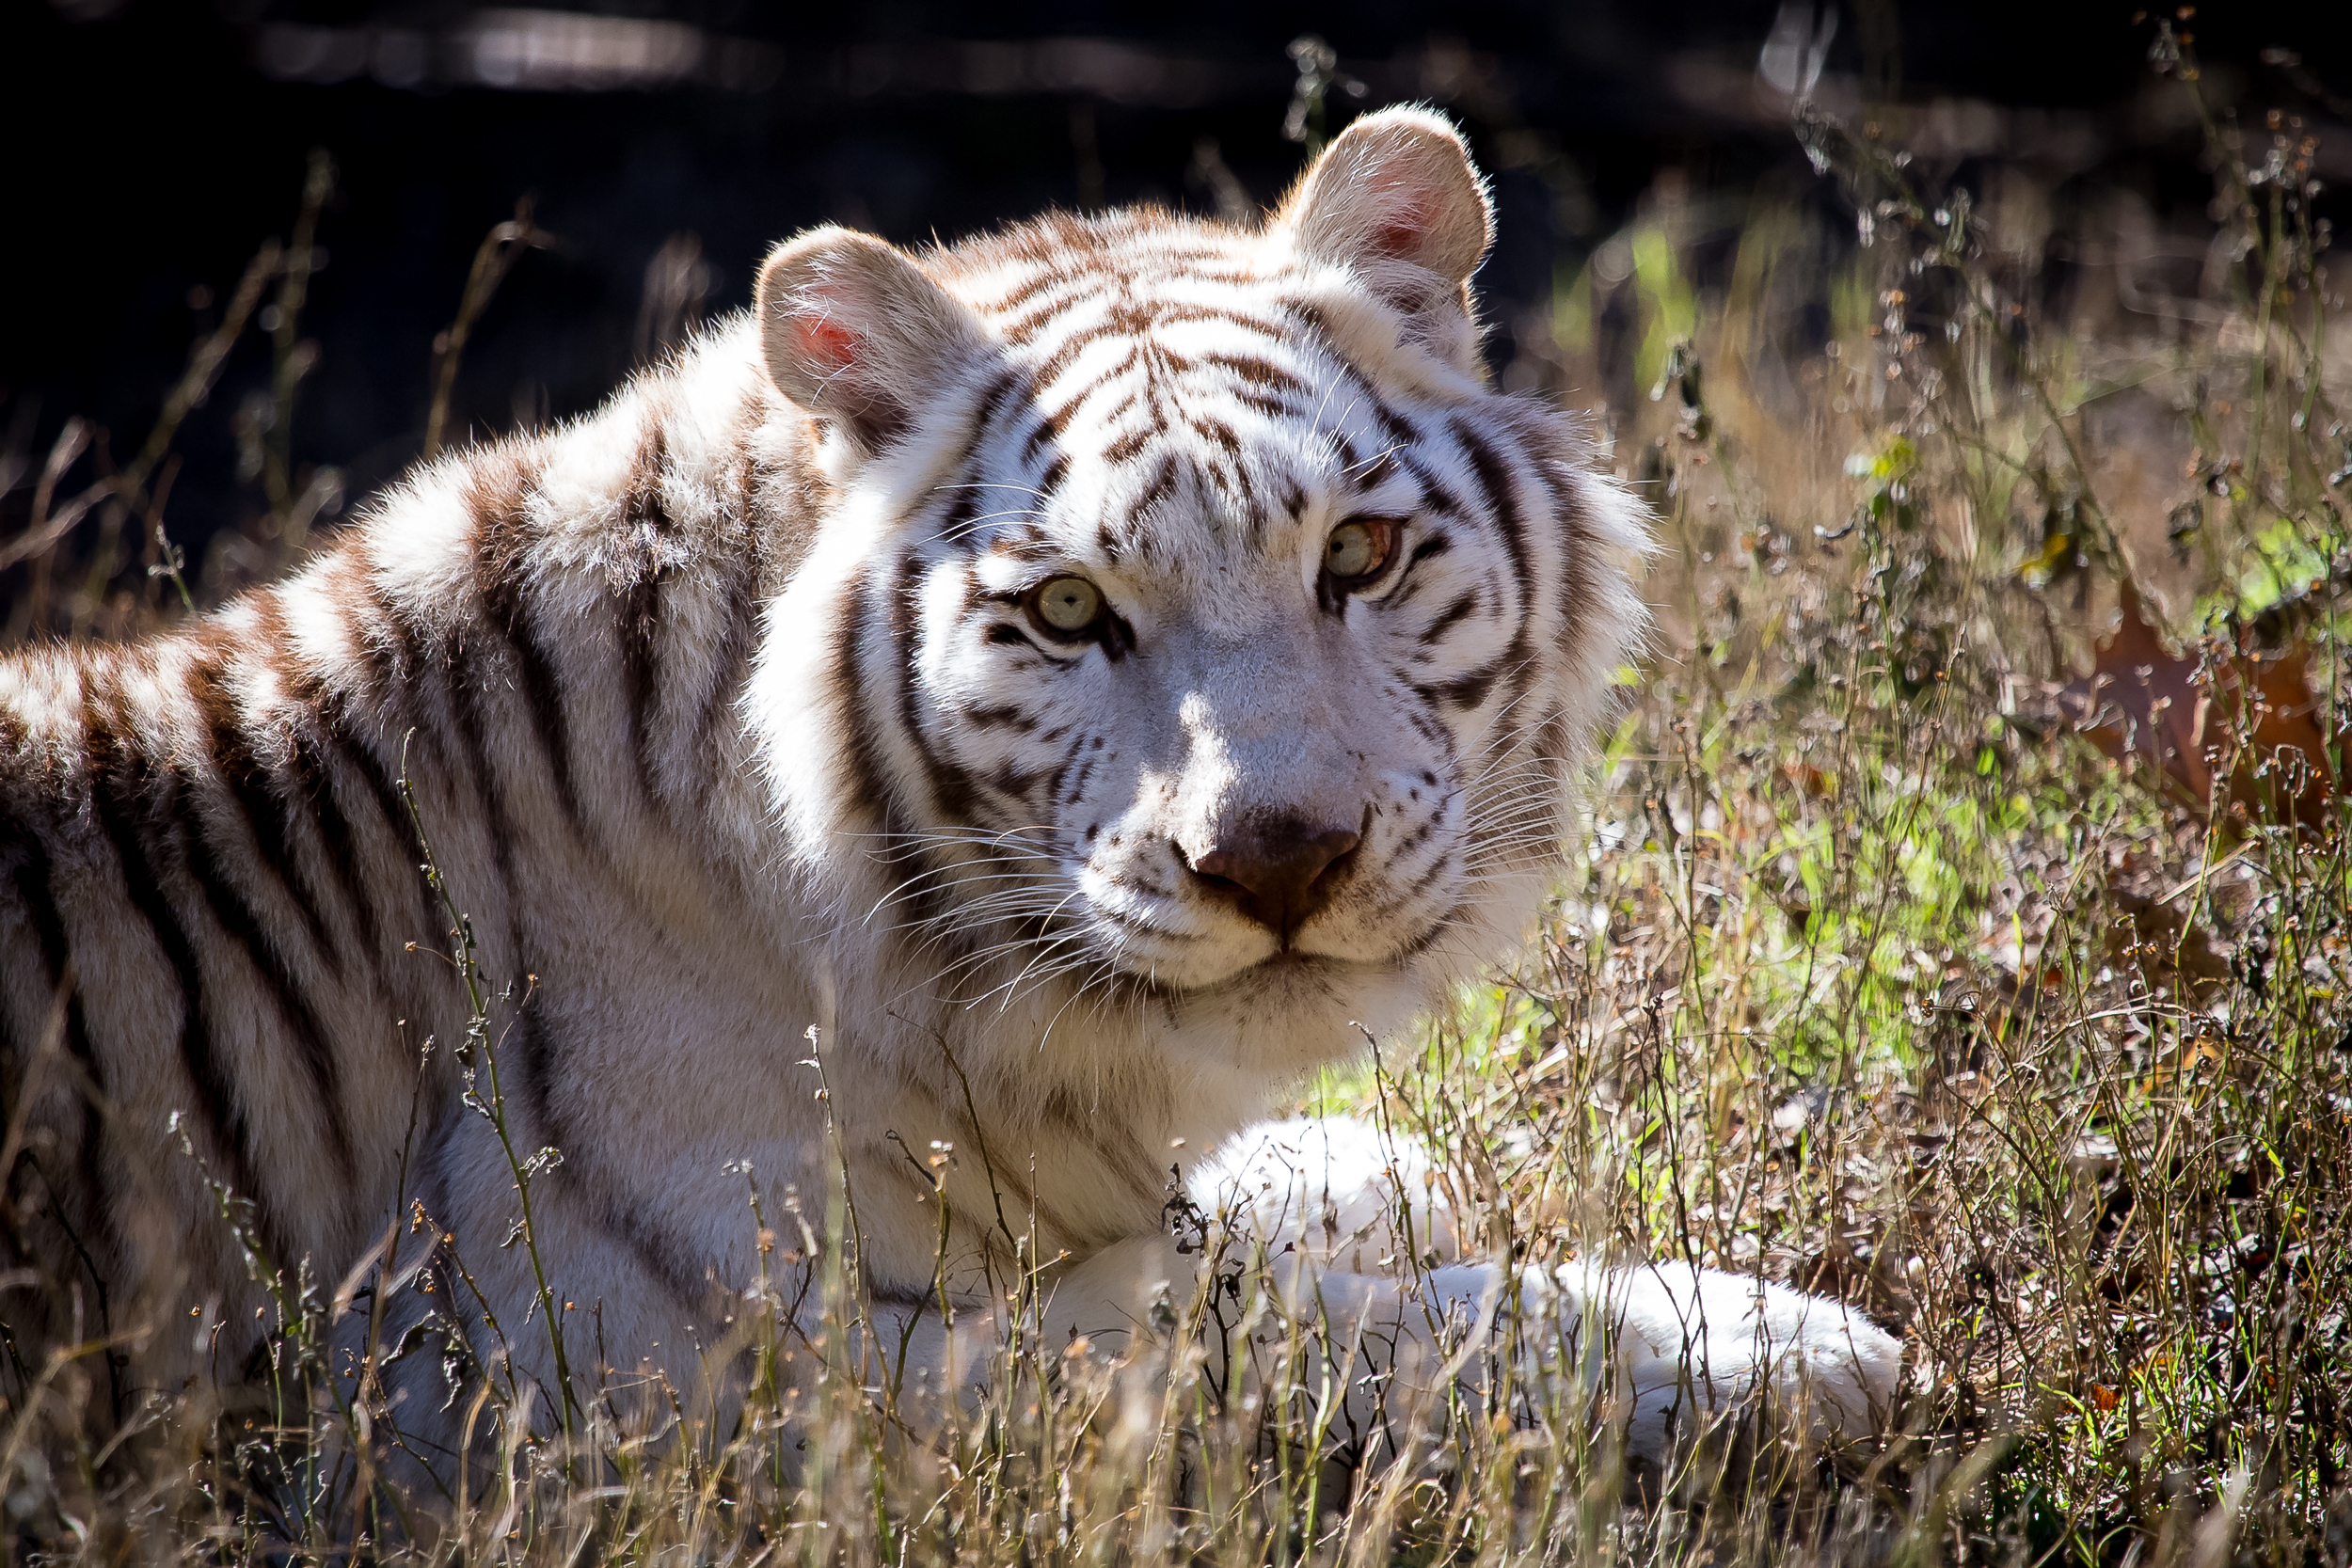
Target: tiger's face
{"x":1232,"y":690}
{"x":1209,"y":628}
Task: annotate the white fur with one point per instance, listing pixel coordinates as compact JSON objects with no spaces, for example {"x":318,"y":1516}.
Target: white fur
{"x":863,"y":795}
{"x":1239,"y":695}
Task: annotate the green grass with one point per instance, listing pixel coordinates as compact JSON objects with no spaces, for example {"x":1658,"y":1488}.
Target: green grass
{"x":1877,"y":976}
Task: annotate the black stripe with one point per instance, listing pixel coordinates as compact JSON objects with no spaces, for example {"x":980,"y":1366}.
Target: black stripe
{"x":1257,"y":371}
{"x":543,"y":694}
{"x":862,"y":759}
{"x":1415,"y":839}
{"x":1503,"y":502}
{"x":963,"y":500}
{"x":1065,"y":355}
{"x":34,"y":895}
{"x":238,"y":919}
{"x":1010,"y":778}
{"x":862,"y":754}
{"x":1453,"y":614}
{"x":1470,"y":690}
{"x":1040,"y":438}
{"x":640,"y":607}
{"x":1519,"y":664}
{"x":1436,"y":494}
{"x":1000,"y":389}
{"x":538,"y":1065}
{"x":639,"y":633}
{"x":1125,"y":448}
{"x":460,"y":695}
{"x":908,"y":1298}
{"x":1421,"y":883}
{"x":1050,"y":481}
{"x":961,"y":507}
{"x":1001,"y":716}
{"x":1576,"y":536}
{"x":1218,"y":430}
{"x":267,"y":816}
{"x":490,"y":789}
{"x":496,"y":495}
{"x":1021,"y":330}
{"x":466,"y":695}
{"x":953,"y":789}
{"x":546,"y":700}
{"x":729,"y":663}
{"x":1106,"y":417}
{"x":405,"y":695}
{"x":1066,"y":789}
{"x":1163,"y":482}
{"x":307,"y":789}
{"x":383,"y":786}
{"x":641,"y":509}
{"x":313,"y":791}
{"x":1554,"y":743}
{"x":116,"y":788}
{"x":32,"y":877}
{"x":1039,"y":282}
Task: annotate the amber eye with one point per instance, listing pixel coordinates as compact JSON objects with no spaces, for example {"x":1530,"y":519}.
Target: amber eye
{"x":1358,"y":548}
{"x":1067,"y":607}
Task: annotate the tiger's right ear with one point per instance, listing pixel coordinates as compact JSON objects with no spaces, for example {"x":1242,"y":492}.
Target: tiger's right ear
{"x":852,"y":330}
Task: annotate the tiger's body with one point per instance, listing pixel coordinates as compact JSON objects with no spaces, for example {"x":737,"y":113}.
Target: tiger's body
{"x":1088,"y":676}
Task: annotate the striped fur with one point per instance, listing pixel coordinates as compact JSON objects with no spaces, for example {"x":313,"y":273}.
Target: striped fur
{"x":726,"y":718}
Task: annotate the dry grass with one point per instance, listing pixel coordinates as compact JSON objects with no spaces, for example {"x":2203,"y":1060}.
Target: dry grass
{"x":1878,"y":975}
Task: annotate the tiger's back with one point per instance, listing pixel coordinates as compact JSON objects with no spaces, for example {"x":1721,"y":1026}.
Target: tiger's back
{"x":222,"y":972}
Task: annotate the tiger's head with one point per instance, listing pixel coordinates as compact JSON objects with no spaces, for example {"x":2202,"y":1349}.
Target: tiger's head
{"x":1192,"y":622}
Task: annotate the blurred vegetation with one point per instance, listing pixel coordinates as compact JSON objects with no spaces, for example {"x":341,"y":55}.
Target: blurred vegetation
{"x":1962,"y":932}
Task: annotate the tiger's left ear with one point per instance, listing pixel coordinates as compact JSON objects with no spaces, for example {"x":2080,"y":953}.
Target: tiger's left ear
{"x":1396,"y":199}
{"x":853,"y":330}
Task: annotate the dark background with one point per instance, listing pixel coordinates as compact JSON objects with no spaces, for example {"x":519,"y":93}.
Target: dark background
{"x":152,"y":144}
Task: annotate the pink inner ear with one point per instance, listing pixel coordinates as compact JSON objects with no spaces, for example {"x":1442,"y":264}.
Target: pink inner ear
{"x":1404,"y":227}
{"x":1401,"y":240}
{"x":826,"y":343}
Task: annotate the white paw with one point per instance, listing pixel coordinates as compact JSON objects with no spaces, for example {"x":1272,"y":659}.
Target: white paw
{"x":1342,"y":1192}
{"x":1678,"y":1344}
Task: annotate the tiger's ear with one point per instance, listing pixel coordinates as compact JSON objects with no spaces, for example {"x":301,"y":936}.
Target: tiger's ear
{"x":852,"y":330}
{"x":1395,"y":197}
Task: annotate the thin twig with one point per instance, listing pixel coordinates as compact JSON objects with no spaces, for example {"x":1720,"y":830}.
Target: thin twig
{"x":500,"y":249}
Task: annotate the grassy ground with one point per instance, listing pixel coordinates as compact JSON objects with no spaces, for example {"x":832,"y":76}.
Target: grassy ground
{"x":1963,"y":933}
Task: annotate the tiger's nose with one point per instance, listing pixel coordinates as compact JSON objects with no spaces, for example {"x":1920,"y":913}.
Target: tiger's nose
{"x":1277,"y":871}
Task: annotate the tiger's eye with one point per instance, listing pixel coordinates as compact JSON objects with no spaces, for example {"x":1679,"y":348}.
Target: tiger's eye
{"x":1069,"y":604}
{"x":1358,"y":548}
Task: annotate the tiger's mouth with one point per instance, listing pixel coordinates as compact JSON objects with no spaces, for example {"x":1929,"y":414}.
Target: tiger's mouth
{"x":1289,"y":969}
{"x":1281,"y":971}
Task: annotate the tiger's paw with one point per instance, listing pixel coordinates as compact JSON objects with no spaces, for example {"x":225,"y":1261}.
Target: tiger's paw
{"x":1677,"y":1350}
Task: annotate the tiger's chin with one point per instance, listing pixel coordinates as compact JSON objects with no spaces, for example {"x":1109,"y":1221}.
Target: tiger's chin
{"x":1290,"y":1014}
{"x":1292,"y":981}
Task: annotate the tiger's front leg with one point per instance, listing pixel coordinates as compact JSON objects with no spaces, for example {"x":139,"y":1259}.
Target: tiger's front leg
{"x":1659,"y":1353}
{"x":1341,"y":1234}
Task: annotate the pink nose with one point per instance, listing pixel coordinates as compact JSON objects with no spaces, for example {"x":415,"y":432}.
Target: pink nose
{"x":1277,"y":871}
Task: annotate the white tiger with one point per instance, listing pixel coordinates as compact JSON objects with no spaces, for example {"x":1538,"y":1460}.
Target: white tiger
{"x":1089,"y":675}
